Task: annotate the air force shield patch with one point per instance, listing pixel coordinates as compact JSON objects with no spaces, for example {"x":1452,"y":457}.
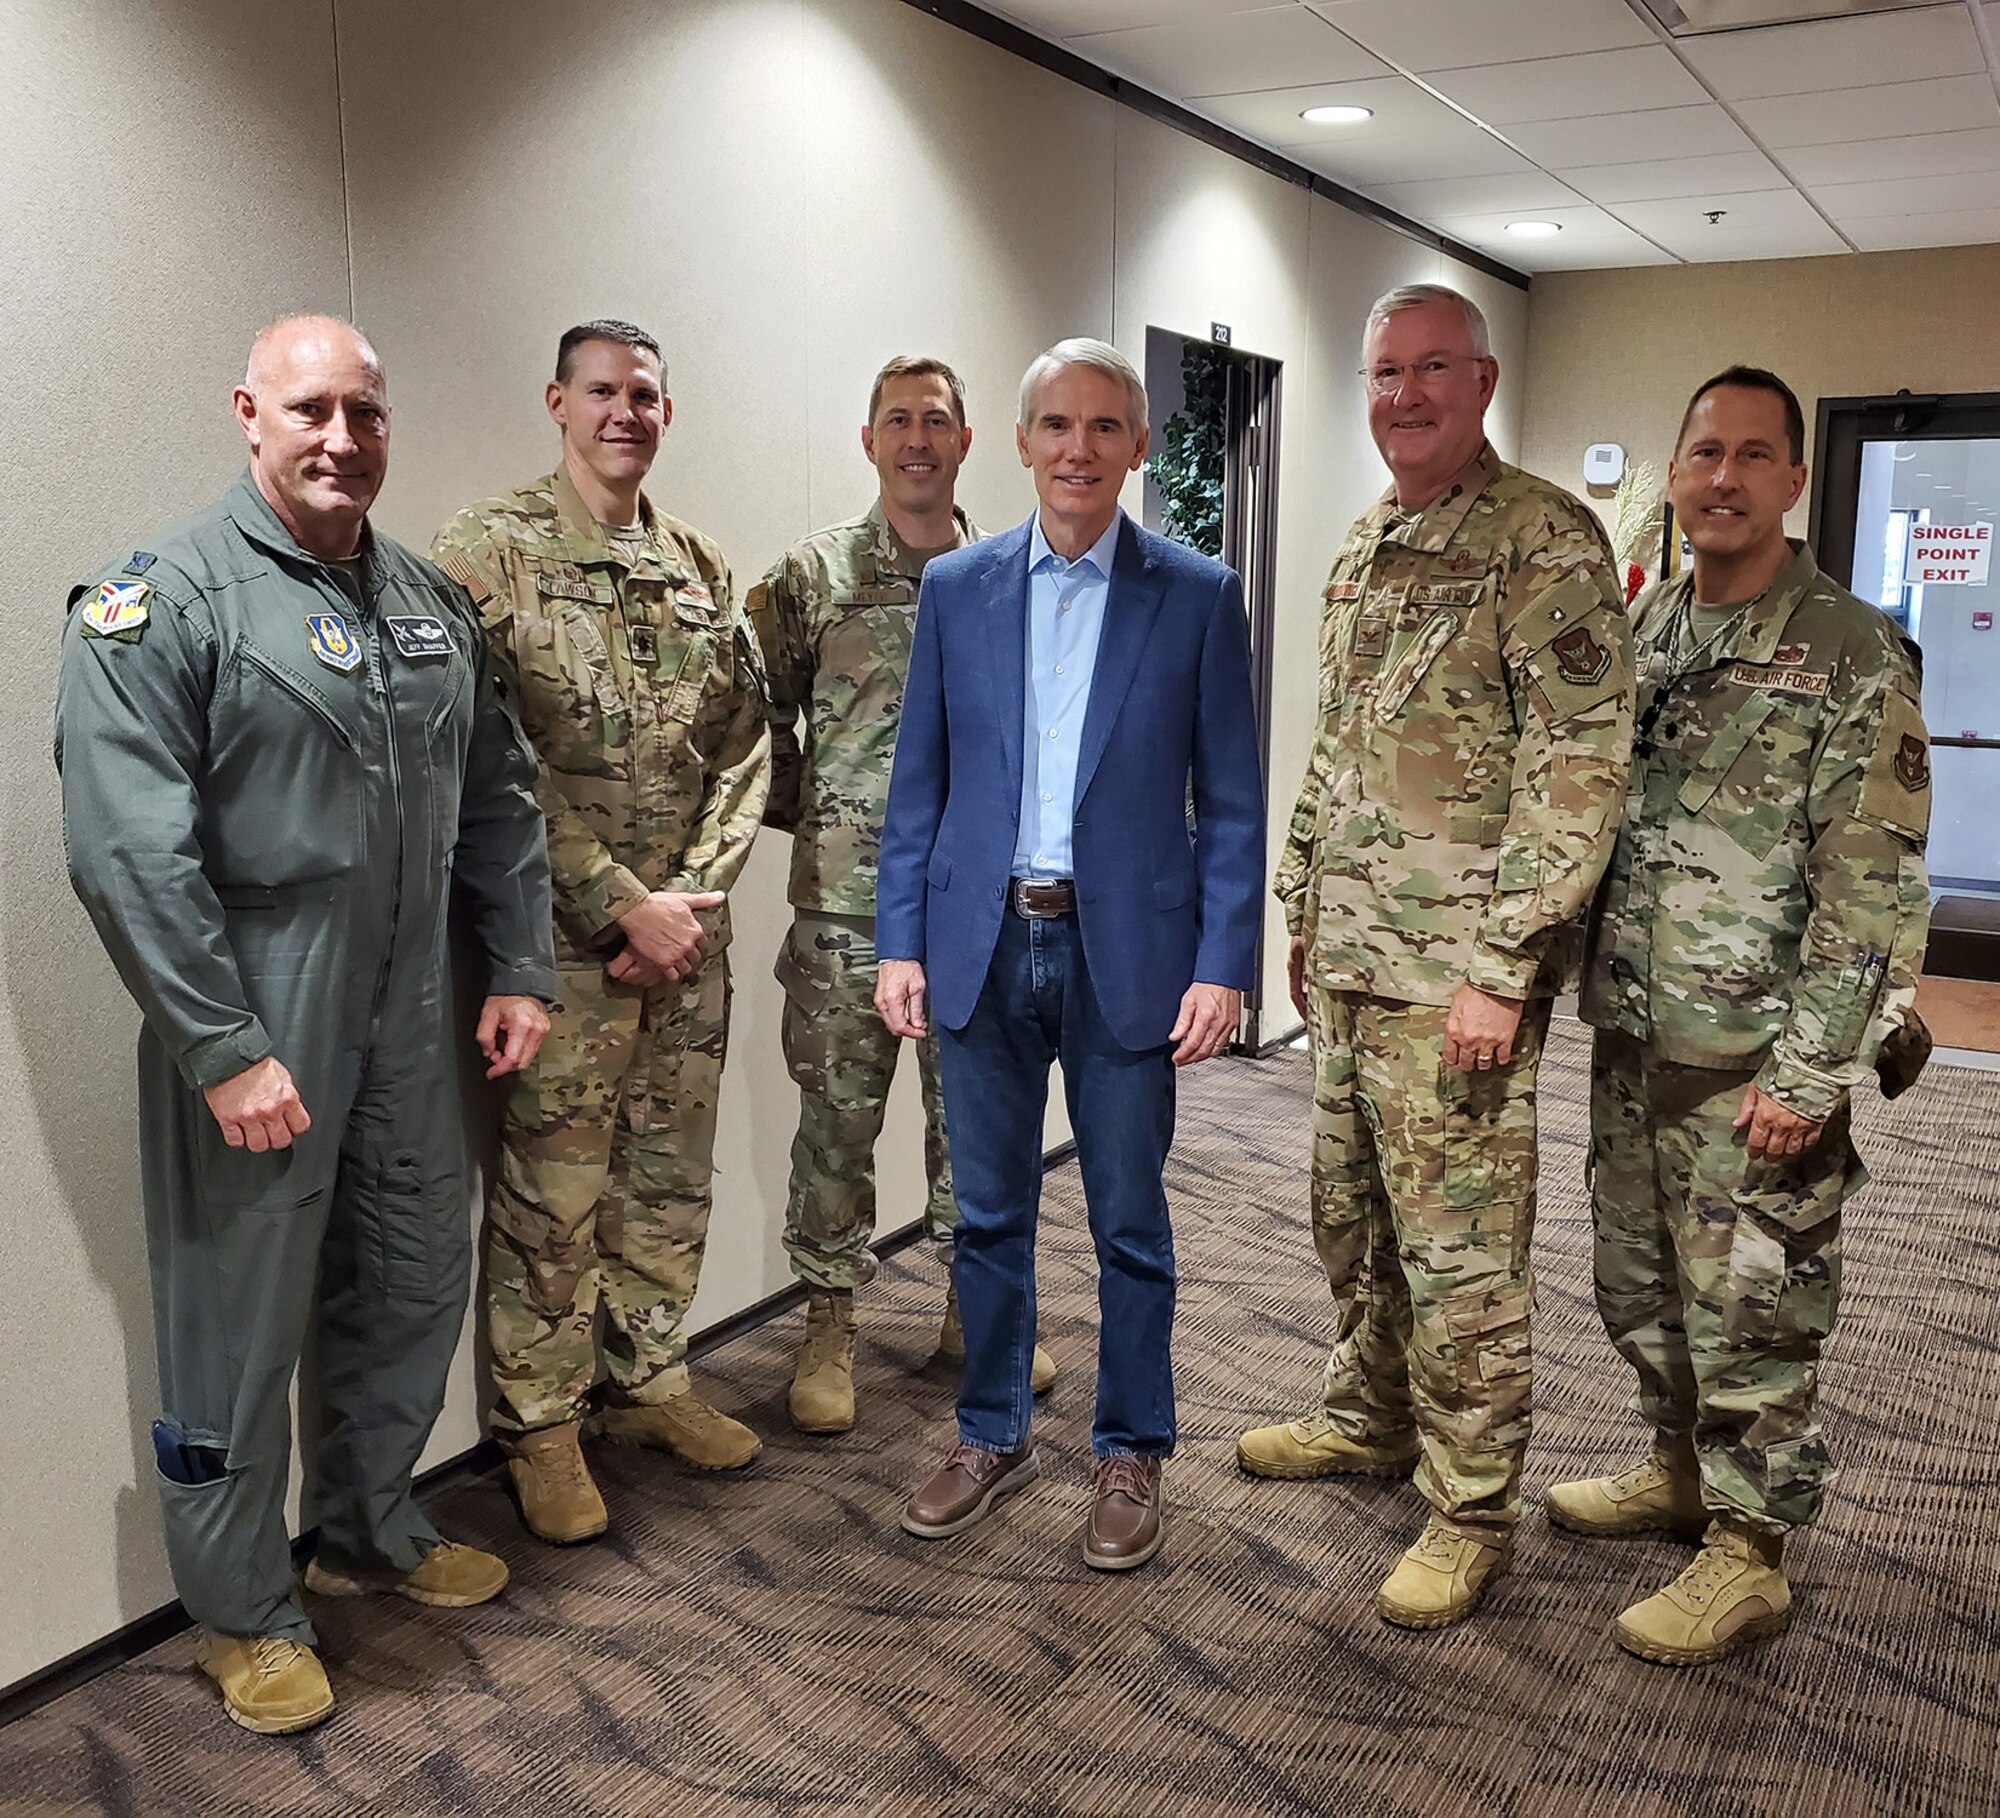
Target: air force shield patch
{"x":118,"y":610}
{"x":331,"y":641}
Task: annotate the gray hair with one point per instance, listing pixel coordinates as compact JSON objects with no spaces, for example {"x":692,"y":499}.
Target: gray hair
{"x":1408,"y":296}
{"x":1100,"y":356}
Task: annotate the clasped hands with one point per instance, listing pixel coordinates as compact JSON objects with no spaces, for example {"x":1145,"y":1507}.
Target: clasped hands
{"x":663,"y":937}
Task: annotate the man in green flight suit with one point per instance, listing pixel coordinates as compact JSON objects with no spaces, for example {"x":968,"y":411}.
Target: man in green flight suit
{"x":613,"y":629}
{"x":835,"y":617}
{"x":280,"y":741}
{"x":1753,"y":956}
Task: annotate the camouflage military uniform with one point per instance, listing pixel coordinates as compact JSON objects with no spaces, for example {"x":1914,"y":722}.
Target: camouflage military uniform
{"x":834,"y":617}
{"x":1763,"y":919}
{"x":639,"y":683}
{"x":1458,"y":807}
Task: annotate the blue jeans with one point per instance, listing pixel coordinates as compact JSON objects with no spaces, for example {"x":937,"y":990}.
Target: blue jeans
{"x":1036,"y":1007}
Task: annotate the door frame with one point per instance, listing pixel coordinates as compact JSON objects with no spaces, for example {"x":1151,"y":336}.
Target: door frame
{"x":1841,"y":425}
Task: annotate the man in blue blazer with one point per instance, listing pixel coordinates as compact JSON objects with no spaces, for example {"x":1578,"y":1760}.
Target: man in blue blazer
{"x":1042,"y":887}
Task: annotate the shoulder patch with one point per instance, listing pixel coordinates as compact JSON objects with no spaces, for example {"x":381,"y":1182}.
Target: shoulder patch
{"x":458,"y":566}
{"x":1580,"y":658}
{"x":118,"y":609}
{"x":142,"y":559}
{"x":1912,"y":763}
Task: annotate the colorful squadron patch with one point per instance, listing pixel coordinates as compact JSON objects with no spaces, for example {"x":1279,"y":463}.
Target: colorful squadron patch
{"x":118,"y":610}
{"x":331,"y":641}
{"x":1580,"y":658}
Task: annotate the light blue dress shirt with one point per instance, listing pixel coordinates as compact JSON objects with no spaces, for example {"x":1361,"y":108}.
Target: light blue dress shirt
{"x":1066,"y":606}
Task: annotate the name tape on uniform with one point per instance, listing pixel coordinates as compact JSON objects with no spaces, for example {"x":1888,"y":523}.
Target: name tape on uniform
{"x":419,"y":634}
{"x":567,"y":587}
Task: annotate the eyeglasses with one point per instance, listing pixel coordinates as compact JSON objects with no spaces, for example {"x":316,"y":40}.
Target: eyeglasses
{"x":1384,"y":381}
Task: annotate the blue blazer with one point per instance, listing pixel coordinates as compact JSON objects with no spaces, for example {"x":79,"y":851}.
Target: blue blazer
{"x":1160,"y":905}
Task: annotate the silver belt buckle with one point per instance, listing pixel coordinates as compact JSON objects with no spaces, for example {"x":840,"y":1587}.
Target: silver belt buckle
{"x":1023,"y":907}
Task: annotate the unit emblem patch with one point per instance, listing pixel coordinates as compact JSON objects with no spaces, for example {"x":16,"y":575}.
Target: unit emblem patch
{"x":331,"y":641}
{"x":1913,"y":763}
{"x":1580,"y":658}
{"x":118,"y":610}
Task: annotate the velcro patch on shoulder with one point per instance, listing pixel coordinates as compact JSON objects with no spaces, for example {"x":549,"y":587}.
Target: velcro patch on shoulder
{"x":1785,"y":680}
{"x":119,"y":610}
{"x":458,"y":566}
{"x":1896,"y":786}
{"x":1580,"y":658}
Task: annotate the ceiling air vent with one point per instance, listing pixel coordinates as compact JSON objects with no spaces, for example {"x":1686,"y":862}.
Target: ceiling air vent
{"x":1694,"y":18}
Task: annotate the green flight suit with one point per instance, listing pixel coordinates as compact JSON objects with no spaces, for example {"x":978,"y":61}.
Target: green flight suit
{"x":272,"y":771}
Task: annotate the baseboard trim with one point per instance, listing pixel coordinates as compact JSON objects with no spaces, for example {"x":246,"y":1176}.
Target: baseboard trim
{"x":49,"y":1683}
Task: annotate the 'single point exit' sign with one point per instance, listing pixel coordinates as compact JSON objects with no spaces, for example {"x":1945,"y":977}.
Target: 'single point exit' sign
{"x":1949,"y":555}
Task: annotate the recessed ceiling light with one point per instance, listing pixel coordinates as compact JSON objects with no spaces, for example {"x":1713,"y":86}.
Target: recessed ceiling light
{"x":1535,"y":230}
{"x":1341,"y":114}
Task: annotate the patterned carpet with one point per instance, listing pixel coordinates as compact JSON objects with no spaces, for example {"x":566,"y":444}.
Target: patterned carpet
{"x":774,"y":1643}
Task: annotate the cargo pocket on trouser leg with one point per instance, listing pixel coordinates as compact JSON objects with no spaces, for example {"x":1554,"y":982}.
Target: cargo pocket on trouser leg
{"x":1764,"y":1451}
{"x":651,"y":1237}
{"x":1490,"y":1333}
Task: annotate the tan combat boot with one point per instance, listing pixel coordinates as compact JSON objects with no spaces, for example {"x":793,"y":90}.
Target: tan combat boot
{"x":951,"y":1347}
{"x":1663,"y":1490}
{"x":448,"y":1577}
{"x":822,"y":1398}
{"x":559,"y":1502}
{"x":1314,"y":1447}
{"x":1734,"y":1592}
{"x":1441,"y":1579}
{"x":687,"y":1427}
{"x":269,"y":1684}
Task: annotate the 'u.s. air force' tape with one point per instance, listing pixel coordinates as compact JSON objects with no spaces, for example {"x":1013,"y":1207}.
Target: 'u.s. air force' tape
{"x":419,"y":635}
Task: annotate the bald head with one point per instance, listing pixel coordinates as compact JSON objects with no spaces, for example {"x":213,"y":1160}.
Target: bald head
{"x":315,"y":410}
{"x":277,"y":347}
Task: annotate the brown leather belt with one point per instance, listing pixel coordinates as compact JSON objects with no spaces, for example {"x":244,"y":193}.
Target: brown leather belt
{"x":1040,"y":898}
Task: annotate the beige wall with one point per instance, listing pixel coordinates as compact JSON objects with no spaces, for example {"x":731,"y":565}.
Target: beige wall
{"x":787,"y":193}
{"x":1616,"y":353}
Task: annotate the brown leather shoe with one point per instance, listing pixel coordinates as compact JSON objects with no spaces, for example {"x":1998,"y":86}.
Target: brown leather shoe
{"x":1126,"y":1525}
{"x":967,"y":1488}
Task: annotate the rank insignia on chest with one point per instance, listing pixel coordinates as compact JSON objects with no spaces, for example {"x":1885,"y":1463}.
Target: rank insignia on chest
{"x":694,"y":604}
{"x":118,"y":610}
{"x":1580,"y":658}
{"x":1371,"y":636}
{"x":332,"y":642}
{"x":1809,"y":682}
{"x":645,"y":644}
{"x":419,"y":635}
{"x":1912,"y":763}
